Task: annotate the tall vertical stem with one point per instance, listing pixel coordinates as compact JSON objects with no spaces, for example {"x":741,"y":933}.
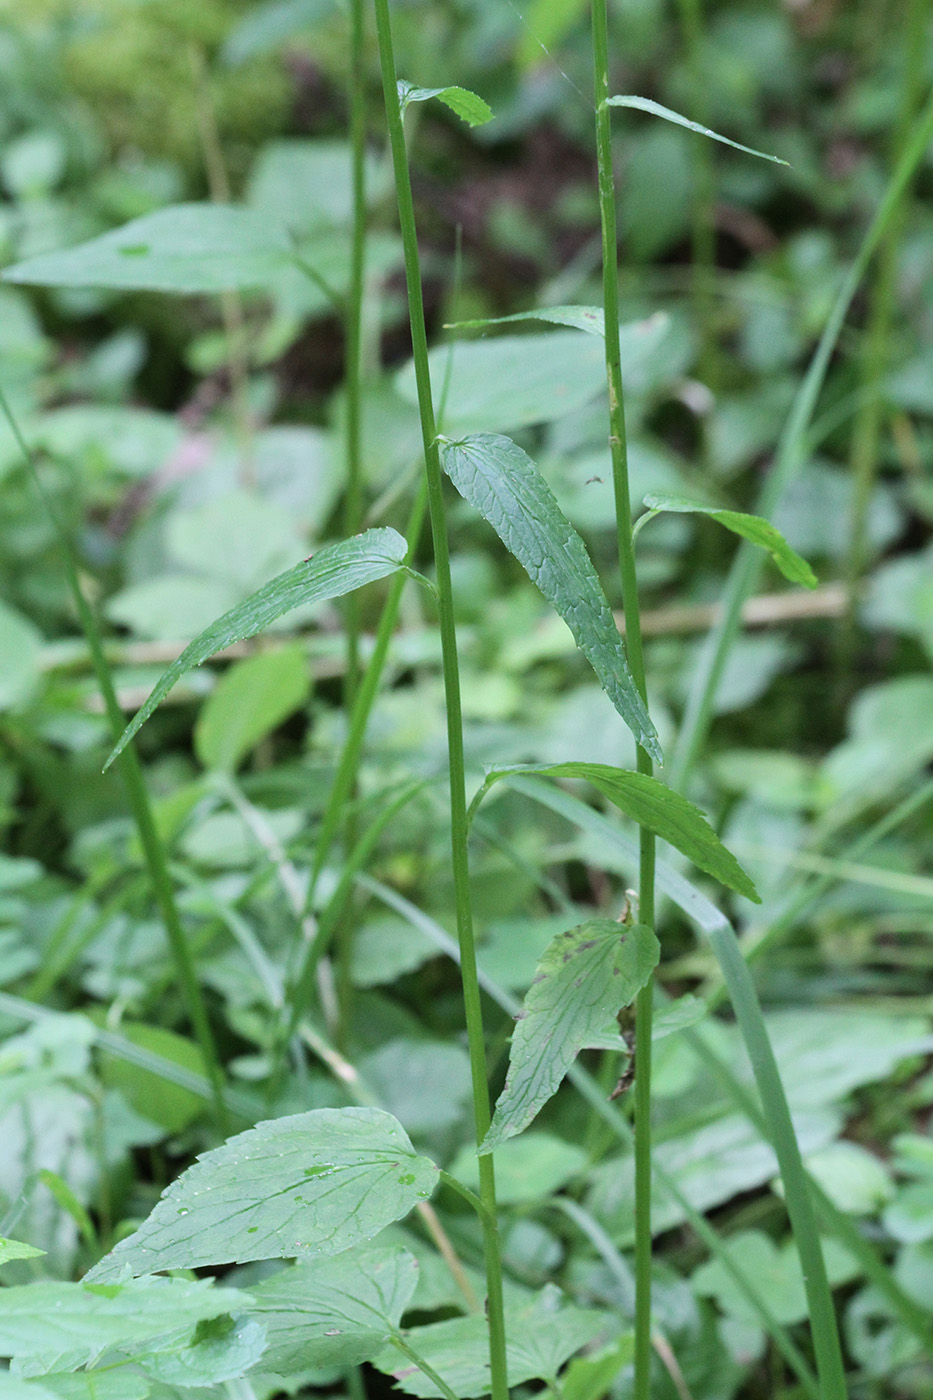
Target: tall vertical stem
{"x":458,"y":816}
{"x":619,"y":454}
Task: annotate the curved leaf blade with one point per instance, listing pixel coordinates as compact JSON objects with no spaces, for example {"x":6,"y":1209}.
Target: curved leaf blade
{"x":585,"y":976}
{"x":460,"y":100}
{"x":185,"y":248}
{"x":337,"y":1312}
{"x":636,"y":338}
{"x":654,"y":806}
{"x":335,"y":570}
{"x":504,"y":485}
{"x":645,"y":104}
{"x":750,"y":527}
{"x":311,"y":1183}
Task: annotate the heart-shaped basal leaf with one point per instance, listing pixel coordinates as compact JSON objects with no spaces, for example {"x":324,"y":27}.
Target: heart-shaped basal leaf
{"x":504,"y":485}
{"x":750,"y":527}
{"x":311,"y":1183}
{"x":81,"y":1320}
{"x":654,"y":806}
{"x":585,"y":976}
{"x":338,"y":1312}
{"x":185,"y":249}
{"x":331,"y":573}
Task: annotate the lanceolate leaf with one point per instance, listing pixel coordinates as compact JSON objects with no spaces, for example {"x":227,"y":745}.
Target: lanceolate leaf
{"x":311,"y":1183}
{"x":466,"y":104}
{"x":651,"y":804}
{"x":750,"y":527}
{"x":15,"y":1249}
{"x":185,"y":248}
{"x":645,"y":104}
{"x":337,"y":1312}
{"x":585,"y":977}
{"x":504,"y":485}
{"x":635,"y":337}
{"x":71,"y":1318}
{"x":333,"y":571}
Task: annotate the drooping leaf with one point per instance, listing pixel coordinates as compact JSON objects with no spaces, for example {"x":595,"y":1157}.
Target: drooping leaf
{"x":541,"y":1336}
{"x":15,"y":1249}
{"x":83,"y":1318}
{"x":332,"y":572}
{"x":337,"y":1312}
{"x":252,"y":698}
{"x":645,"y":104}
{"x":460,"y":100}
{"x":586,"y":975}
{"x":750,"y":527}
{"x":504,"y":485}
{"x":311,"y":1183}
{"x":651,"y":804}
{"x":636,"y":338}
{"x":185,"y":248}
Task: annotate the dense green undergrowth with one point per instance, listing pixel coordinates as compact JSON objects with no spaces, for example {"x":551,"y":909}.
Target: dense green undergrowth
{"x":378,"y":886}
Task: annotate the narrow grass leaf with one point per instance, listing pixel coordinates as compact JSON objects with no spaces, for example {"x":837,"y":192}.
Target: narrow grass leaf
{"x":331,"y":573}
{"x":645,"y":104}
{"x":636,"y":338}
{"x":335,"y":1312}
{"x":185,"y":248}
{"x":654,"y":806}
{"x":584,"y":978}
{"x":311,"y":1183}
{"x":52,"y":1317}
{"x":751,"y":527}
{"x":504,"y":485}
{"x":460,"y":100}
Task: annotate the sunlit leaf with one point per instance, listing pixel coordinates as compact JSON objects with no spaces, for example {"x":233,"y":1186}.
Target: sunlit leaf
{"x":586,"y":975}
{"x":311,"y":1183}
{"x":504,"y":485}
{"x":460,"y":100}
{"x":332,"y":572}
{"x":15,"y":1249}
{"x":750,"y":527}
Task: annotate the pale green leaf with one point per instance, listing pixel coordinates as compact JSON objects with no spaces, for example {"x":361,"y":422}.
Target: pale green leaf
{"x":654,"y":806}
{"x":264,"y":28}
{"x":541,"y":1336}
{"x":311,"y":1183}
{"x":750,"y":527}
{"x":184,"y":248}
{"x":586,"y":975}
{"x":504,"y":485}
{"x":645,"y":104}
{"x":335,"y":1312}
{"x":460,"y":100}
{"x":54,"y":1318}
{"x":580,"y":318}
{"x":250,"y":700}
{"x":15,"y":1249}
{"x":221,"y":1349}
{"x":528,"y":1168}
{"x":332,"y":572}
{"x":118,"y":1383}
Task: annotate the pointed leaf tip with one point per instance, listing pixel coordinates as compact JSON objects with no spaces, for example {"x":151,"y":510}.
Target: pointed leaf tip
{"x":645,"y":104}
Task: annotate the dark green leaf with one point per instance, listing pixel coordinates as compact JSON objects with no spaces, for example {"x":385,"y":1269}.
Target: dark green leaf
{"x":651,"y":804}
{"x":645,"y":104}
{"x":504,"y":485}
{"x":185,"y":248}
{"x":332,"y":572}
{"x":311,"y":1183}
{"x":750,"y":527}
{"x":585,"y":976}
{"x":464,"y":103}
{"x":337,"y":1312}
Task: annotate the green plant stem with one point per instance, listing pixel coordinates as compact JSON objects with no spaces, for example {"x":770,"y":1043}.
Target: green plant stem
{"x":353,"y":330}
{"x":791,"y":454}
{"x":137,"y":795}
{"x":866,"y":436}
{"x":458,"y":817}
{"x":401,"y":1345}
{"x":623,"y":508}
